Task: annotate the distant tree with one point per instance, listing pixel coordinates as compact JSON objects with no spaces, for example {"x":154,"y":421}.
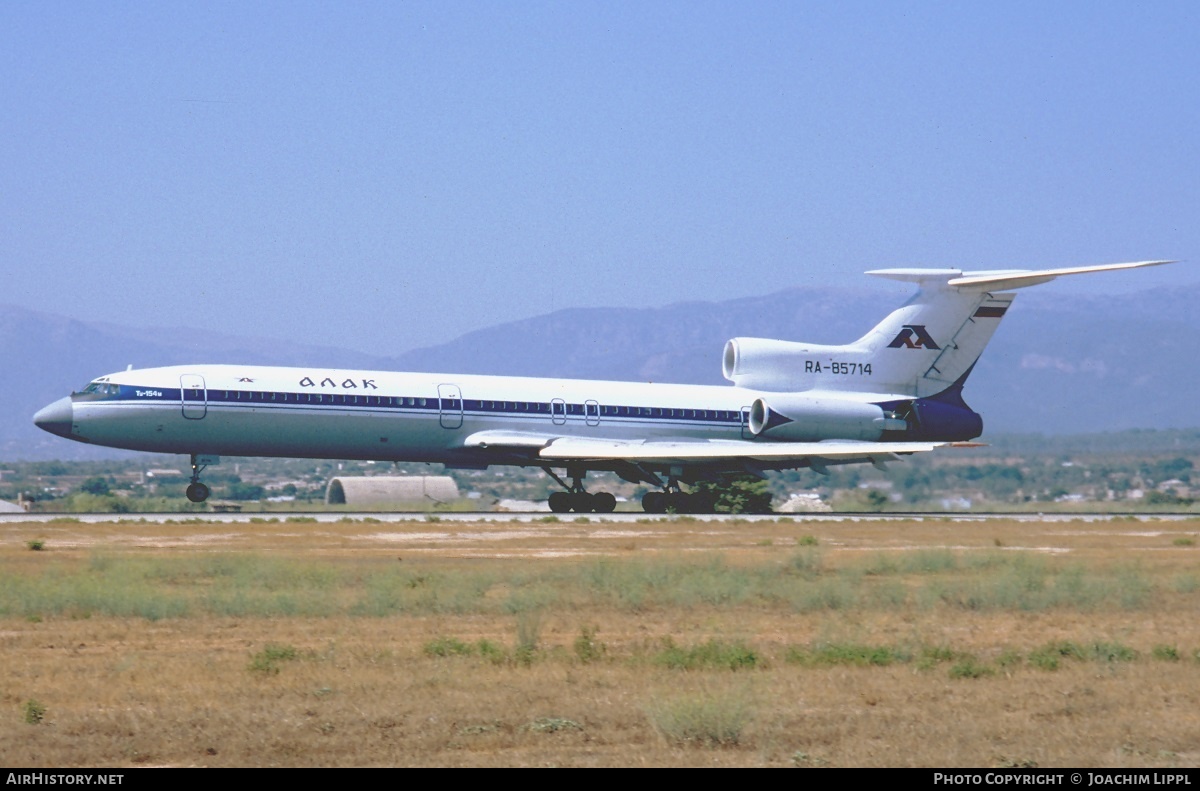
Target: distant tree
{"x":95,"y":485}
{"x":244,"y":491}
{"x":1166,"y":469}
{"x":741,"y":495}
{"x":1166,"y":498}
{"x":876,"y":500}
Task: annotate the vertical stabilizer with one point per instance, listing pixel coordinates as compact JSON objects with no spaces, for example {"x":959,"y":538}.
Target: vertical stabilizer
{"x":937,"y":335}
{"x":932,"y":342}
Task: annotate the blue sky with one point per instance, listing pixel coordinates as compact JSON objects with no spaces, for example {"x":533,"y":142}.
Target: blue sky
{"x":382,"y":176}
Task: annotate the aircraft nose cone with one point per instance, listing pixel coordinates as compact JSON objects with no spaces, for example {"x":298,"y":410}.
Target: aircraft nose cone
{"x":56,"y":418}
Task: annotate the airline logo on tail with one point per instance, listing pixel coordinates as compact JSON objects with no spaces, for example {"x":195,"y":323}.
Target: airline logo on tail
{"x":913,"y":336}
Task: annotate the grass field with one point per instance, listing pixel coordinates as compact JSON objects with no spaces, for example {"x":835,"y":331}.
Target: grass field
{"x":668,"y":642}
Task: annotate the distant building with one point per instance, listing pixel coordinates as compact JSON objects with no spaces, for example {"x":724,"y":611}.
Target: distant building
{"x":804,"y":502}
{"x":521,"y":506}
{"x":379,"y":490}
{"x":11,"y":508}
{"x":1175,"y":487}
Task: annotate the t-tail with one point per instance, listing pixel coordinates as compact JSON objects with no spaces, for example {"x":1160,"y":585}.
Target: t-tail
{"x":913,"y":363}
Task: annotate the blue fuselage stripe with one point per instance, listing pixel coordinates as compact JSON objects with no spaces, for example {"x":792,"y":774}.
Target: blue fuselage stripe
{"x":553,"y":411}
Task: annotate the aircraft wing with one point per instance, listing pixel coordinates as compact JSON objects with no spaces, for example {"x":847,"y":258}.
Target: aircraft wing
{"x":551,"y":448}
{"x":681,"y":451}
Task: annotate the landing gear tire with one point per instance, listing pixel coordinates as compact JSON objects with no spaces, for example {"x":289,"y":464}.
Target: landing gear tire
{"x":703,"y":503}
{"x":604,"y":502}
{"x":197,"y":492}
{"x":679,"y":502}
{"x":582,"y":502}
{"x":654,"y":503}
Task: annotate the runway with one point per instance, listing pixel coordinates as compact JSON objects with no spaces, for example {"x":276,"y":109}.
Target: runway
{"x":545,"y":518}
{"x":538,"y":535}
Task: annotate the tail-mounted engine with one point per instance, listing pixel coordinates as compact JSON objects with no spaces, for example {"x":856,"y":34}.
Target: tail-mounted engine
{"x":801,"y":418}
{"x":765,"y":364}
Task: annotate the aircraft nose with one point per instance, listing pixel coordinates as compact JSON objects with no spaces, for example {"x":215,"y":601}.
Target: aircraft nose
{"x":56,"y":418}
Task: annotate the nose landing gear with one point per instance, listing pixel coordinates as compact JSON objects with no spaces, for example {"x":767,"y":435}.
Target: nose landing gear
{"x":196,"y":491}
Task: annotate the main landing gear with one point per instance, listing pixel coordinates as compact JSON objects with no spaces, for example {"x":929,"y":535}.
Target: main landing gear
{"x":673,"y":499}
{"x":576,"y":499}
{"x":196,"y":491}
{"x":677,"y":501}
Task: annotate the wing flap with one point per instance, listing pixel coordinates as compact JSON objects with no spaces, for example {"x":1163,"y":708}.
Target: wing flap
{"x":508,"y":440}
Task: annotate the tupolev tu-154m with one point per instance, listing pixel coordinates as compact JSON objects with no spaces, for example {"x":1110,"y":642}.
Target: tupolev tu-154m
{"x":894,"y":392}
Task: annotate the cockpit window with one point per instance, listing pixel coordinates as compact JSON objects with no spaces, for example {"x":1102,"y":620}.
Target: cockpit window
{"x":100,"y":388}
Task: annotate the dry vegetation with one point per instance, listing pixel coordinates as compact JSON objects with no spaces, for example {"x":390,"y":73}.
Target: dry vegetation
{"x":929,"y":643}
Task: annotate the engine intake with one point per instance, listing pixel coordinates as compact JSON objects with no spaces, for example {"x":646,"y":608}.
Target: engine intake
{"x":764,"y":363}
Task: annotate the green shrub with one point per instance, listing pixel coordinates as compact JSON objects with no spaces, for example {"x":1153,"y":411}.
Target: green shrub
{"x":553,"y":725}
{"x":705,"y":720}
{"x":712,"y":655}
{"x":447,"y":646}
{"x":969,"y":667}
{"x":807,"y":561}
{"x":491,"y":652}
{"x":587,"y":648}
{"x":1165,"y":653}
{"x":267,"y":661}
{"x":35,"y":712}
{"x":529,"y":632}
{"x":1049,"y":656}
{"x":1112,"y":652}
{"x":1009,"y":658}
{"x":842,"y":654}
{"x":931,"y":655}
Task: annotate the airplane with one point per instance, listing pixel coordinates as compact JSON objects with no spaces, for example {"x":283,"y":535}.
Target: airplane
{"x":894,"y":392}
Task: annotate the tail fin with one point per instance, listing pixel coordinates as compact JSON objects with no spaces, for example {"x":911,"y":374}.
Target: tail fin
{"x":931,"y":341}
{"x":921,"y":349}
{"x":950,"y":319}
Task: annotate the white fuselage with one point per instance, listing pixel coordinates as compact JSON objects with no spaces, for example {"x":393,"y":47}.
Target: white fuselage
{"x":319,"y":413}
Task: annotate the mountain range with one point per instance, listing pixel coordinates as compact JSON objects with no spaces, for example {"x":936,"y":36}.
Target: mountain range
{"x":1058,"y":363}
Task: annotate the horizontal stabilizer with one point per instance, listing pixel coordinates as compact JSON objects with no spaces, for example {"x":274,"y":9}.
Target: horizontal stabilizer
{"x":1021,"y":278}
{"x":999,"y":278}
